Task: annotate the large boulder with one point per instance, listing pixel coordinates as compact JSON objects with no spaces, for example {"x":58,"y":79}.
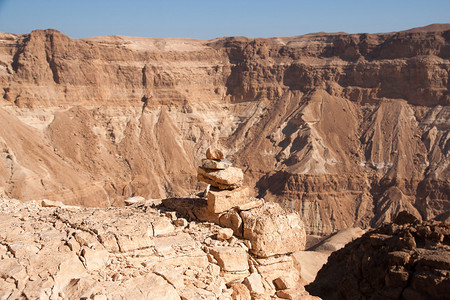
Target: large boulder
{"x":271,"y":230}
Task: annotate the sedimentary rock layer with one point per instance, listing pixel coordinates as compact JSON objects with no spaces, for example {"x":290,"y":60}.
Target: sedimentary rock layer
{"x":347,"y":129}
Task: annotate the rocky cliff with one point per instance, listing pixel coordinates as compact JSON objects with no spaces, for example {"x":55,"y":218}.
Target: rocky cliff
{"x":407,"y":259}
{"x":346,"y":129}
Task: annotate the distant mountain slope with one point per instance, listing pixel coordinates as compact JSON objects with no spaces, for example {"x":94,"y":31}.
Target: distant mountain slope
{"x":348,"y":129}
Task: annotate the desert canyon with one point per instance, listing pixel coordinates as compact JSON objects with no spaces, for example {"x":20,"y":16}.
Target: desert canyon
{"x":322,"y":133}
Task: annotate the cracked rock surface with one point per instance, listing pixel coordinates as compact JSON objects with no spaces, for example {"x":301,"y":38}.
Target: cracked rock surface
{"x":134,"y":252}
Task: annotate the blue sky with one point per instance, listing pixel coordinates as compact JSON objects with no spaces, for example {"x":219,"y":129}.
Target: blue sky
{"x":208,"y":19}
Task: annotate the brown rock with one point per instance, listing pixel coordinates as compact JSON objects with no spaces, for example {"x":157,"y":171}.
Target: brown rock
{"x":51,"y":203}
{"x":224,"y":234}
{"x":181,"y":222}
{"x":285,"y":282}
{"x":229,"y":178}
{"x":232,"y":219}
{"x":212,"y":153}
{"x":295,"y":294}
{"x":404,"y":217}
{"x":389,"y":258}
{"x":251,"y":204}
{"x":221,"y":201}
{"x":271,"y":230}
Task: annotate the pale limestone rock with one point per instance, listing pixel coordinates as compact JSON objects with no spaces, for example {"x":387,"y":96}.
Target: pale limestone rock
{"x":86,"y":239}
{"x":229,"y":178}
{"x":271,"y":230}
{"x":231,"y":259}
{"x":94,"y":259}
{"x":79,"y":288}
{"x":212,"y":164}
{"x":7,"y":289}
{"x":73,"y":244}
{"x":172,"y":276}
{"x":240,"y":292}
{"x":254,"y":284}
{"x":224,"y":234}
{"x":134,"y":200}
{"x":129,"y":243}
{"x":169,"y":243}
{"x":69,"y":269}
{"x":217,"y":286}
{"x":194,"y":258}
{"x":232,"y":219}
{"x":11,"y":268}
{"x":150,"y":286}
{"x":273,"y":267}
{"x":178,"y":260}
{"x":195,"y":293}
{"x":221,"y":201}
{"x":213,"y":153}
{"x":162,"y":226}
{"x":213,"y":269}
{"x":108,"y":240}
{"x":251,"y":204}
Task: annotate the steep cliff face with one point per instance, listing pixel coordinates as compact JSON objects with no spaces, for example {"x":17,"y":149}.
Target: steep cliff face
{"x":346,"y":129}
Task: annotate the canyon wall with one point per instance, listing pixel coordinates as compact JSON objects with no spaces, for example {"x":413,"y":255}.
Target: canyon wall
{"x":347,"y":129}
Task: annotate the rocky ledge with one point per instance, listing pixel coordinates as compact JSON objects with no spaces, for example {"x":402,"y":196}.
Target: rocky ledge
{"x":142,"y":251}
{"x":407,"y":259}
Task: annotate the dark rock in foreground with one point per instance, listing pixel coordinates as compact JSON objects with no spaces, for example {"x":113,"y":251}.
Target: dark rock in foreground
{"x":409,"y":261}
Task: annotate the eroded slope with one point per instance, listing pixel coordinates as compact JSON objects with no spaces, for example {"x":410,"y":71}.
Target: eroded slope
{"x":346,"y":129}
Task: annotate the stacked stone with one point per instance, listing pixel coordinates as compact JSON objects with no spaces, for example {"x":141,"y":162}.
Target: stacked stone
{"x":226,"y":182}
{"x":269,"y":229}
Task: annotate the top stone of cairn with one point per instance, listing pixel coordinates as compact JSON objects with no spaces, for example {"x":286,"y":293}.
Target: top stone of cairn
{"x":213,"y":153}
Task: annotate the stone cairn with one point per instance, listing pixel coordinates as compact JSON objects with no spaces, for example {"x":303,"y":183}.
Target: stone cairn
{"x":269,"y":229}
{"x":224,"y":189}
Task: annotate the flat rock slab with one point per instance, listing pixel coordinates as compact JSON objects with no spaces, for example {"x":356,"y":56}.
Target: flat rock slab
{"x":231,"y":259}
{"x":221,"y":201}
{"x":213,"y":164}
{"x":271,"y":230}
{"x":229,"y":178}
